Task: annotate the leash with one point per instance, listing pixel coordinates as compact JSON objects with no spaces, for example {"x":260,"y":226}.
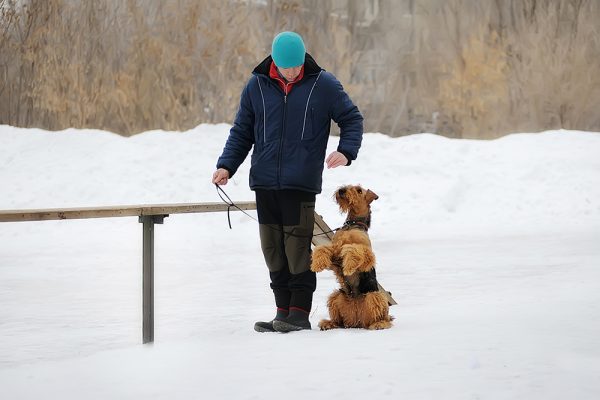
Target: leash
{"x":230,"y":204}
{"x":227,"y":200}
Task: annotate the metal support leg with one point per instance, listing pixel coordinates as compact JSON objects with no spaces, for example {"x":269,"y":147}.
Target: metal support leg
{"x":148,"y":222}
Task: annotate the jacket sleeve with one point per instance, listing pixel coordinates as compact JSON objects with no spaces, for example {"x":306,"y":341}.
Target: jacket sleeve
{"x":349,"y":119}
{"x":241,"y":136}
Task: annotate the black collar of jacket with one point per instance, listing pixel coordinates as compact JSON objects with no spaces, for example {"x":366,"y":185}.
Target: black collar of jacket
{"x":310,"y":66}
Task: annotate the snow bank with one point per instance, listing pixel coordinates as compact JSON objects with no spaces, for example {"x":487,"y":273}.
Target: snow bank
{"x":425,"y":182}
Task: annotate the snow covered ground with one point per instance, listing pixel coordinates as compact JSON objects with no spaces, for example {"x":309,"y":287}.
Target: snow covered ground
{"x":491,"y":248}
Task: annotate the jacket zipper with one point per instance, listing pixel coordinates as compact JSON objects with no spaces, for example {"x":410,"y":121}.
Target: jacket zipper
{"x":280,"y":150}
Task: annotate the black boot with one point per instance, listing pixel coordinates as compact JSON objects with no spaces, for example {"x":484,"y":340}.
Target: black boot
{"x":297,"y":320}
{"x":262,"y":326}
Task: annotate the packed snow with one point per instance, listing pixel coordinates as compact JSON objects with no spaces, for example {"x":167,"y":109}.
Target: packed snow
{"x":490,"y":248}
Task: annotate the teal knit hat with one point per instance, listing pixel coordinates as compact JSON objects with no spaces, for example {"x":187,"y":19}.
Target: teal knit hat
{"x":288,"y":50}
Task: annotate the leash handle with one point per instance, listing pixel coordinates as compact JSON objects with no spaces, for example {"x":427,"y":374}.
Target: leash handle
{"x":230,"y":204}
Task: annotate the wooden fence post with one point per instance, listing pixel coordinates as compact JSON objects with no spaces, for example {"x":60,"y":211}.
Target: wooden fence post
{"x":148,"y":222}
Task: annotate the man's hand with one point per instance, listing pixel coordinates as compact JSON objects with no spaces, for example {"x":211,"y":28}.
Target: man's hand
{"x":336,"y":159}
{"x":220,"y":176}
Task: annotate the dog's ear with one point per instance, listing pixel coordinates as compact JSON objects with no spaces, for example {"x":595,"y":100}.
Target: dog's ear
{"x":371,"y":196}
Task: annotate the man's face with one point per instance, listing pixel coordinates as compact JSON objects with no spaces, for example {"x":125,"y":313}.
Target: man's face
{"x":290,"y":73}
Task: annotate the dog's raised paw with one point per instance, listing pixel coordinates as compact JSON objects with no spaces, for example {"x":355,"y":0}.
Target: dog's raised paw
{"x":356,"y":257}
{"x":321,"y":258}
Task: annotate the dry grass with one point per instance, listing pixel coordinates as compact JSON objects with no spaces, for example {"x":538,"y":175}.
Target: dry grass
{"x":461,"y":68}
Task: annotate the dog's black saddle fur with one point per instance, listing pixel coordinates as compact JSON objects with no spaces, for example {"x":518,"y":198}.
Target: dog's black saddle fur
{"x":368,"y":282}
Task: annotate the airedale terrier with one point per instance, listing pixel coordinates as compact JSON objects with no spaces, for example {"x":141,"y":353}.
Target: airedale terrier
{"x":358,"y":303}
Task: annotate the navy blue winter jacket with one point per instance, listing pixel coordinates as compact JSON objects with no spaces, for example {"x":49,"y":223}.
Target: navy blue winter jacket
{"x":290,"y":135}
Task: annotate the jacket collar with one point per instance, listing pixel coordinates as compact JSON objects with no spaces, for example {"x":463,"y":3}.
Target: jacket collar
{"x":310,"y":66}
{"x":284,"y":84}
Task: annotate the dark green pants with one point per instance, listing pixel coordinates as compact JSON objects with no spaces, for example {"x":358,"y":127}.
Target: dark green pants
{"x":286,"y":220}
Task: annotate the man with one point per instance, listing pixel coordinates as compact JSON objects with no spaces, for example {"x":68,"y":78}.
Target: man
{"x":285,"y":115}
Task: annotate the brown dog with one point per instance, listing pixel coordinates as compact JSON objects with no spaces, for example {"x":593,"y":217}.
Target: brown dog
{"x":358,"y":303}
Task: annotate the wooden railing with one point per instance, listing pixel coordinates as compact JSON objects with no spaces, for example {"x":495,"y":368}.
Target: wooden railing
{"x":149,"y":215}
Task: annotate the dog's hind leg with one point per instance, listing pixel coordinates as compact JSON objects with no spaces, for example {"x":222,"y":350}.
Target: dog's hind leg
{"x":376,"y":311}
{"x":321,"y":258}
{"x":356,"y":258}
{"x":383,"y":324}
{"x":333,"y":304}
{"x":326,"y":324}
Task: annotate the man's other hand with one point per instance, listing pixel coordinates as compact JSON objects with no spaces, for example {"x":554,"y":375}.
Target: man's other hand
{"x":336,"y":159}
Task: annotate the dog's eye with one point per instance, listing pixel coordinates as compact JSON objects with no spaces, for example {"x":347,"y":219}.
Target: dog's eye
{"x":359,"y":191}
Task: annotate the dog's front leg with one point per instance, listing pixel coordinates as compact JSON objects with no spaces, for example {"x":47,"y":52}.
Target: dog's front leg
{"x":356,"y":258}
{"x":321,"y":258}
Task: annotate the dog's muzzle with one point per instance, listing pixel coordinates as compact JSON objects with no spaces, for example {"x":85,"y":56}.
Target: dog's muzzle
{"x":342,"y":192}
